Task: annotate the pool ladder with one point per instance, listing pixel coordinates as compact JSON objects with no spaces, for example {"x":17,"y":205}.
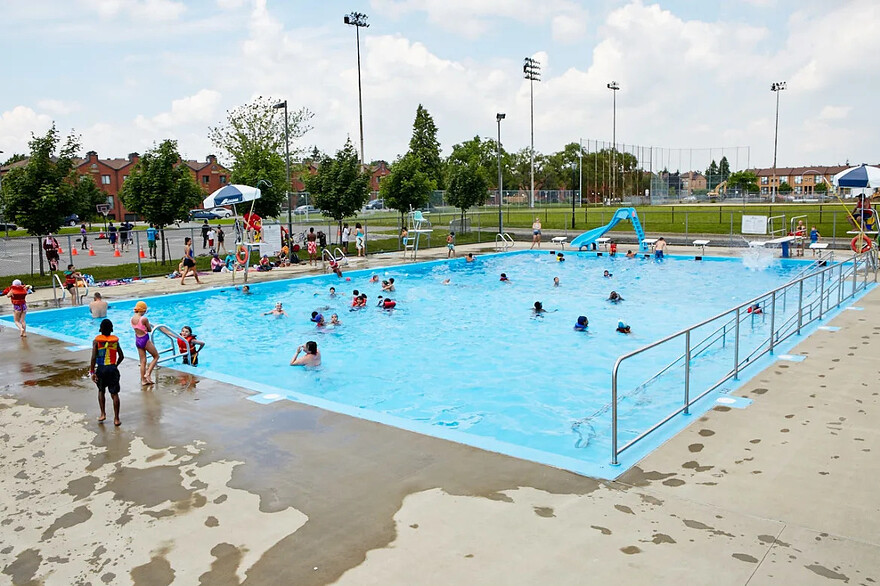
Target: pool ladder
{"x":58,"y":285}
{"x":337,"y":255}
{"x":173,"y":352}
{"x":503,"y":241}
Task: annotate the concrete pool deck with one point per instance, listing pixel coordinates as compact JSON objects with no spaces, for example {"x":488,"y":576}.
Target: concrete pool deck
{"x":199,"y":485}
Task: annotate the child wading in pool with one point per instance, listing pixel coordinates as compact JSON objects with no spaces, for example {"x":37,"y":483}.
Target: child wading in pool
{"x":142,"y":329}
{"x":106,"y":357}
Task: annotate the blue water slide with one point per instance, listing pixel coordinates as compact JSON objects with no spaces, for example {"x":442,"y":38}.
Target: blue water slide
{"x":590,"y":236}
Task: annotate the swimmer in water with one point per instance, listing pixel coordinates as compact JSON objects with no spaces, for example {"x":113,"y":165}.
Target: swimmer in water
{"x":555,"y":281}
{"x":246,"y":289}
{"x":311,"y":357}
{"x":630,"y":254}
{"x":332,"y":291}
{"x":469,"y":257}
{"x":374,"y":279}
{"x":582,"y":324}
{"x":317,"y":318}
{"x":623,"y":328}
{"x":278,"y":311}
{"x":447,"y":281}
{"x":539,"y":308}
{"x":606,"y":274}
{"x":615,"y":297}
{"x":334,"y":320}
{"x":504,"y":278}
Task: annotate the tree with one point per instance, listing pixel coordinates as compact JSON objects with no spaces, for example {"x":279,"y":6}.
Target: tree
{"x":88,"y":196}
{"x":712,"y":179}
{"x":784,"y":187}
{"x":426,"y":148}
{"x":340,"y":188}
{"x":407,"y":186}
{"x":467,"y":187}
{"x":821,"y":187}
{"x":40,"y":194}
{"x":723,"y":169}
{"x":253,"y":139}
{"x":14,"y":159}
{"x":161,"y":189}
{"x":746,"y":181}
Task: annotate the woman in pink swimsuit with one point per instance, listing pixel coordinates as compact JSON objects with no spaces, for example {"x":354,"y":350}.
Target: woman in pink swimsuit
{"x":142,"y":329}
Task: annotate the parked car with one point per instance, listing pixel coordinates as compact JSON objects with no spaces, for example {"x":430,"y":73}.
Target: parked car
{"x":376,"y":204}
{"x":71,"y":220}
{"x":301,"y":210}
{"x":221,"y":212}
{"x":202,"y":215}
{"x":4,"y":226}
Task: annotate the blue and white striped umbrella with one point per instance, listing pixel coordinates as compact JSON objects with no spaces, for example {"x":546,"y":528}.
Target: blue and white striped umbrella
{"x":858,"y":177}
{"x":231,"y":195}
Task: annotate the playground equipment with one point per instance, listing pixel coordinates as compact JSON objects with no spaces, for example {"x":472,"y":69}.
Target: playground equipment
{"x":590,"y":236}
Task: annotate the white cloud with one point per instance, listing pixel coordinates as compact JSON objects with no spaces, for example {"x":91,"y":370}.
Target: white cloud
{"x":17,"y":126}
{"x":834,"y":112}
{"x":151,"y":10}
{"x":58,"y":107}
{"x":191,"y":110}
{"x":569,"y":28}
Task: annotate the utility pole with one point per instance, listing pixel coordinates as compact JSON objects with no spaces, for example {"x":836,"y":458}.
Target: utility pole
{"x":286,"y":166}
{"x":614,"y":87}
{"x":499,"y":117}
{"x":532,"y":72}
{"x":776,"y":87}
{"x":358,"y":20}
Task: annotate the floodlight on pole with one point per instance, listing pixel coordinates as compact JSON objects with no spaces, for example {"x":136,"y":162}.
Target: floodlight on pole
{"x":358,"y":20}
{"x":286,"y":166}
{"x":532,"y":72}
{"x":614,"y":87}
{"x":776,"y":87}
{"x":498,"y":118}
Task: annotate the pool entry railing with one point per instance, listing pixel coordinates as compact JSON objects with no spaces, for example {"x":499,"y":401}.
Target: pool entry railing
{"x":503,"y":241}
{"x":57,"y":287}
{"x":811,"y":297}
{"x":174,"y":351}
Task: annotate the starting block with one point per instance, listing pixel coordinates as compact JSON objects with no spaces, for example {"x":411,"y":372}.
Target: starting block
{"x":702,"y":244}
{"x":560,"y":240}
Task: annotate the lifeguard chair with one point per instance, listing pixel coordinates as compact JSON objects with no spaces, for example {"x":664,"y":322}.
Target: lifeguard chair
{"x":417,"y":228}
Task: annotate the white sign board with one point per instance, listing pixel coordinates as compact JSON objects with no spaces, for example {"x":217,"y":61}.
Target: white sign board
{"x":754,"y":224}
{"x":271,"y":242}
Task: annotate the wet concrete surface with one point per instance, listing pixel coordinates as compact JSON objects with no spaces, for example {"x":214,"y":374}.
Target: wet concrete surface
{"x":201,"y":486}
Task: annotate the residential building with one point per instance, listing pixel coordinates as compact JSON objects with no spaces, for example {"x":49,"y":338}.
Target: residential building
{"x":803,"y":180}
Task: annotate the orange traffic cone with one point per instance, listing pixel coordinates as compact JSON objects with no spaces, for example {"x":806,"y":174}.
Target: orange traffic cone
{"x":73,"y":251}
{"x":91,"y":251}
{"x":141,"y":253}
{"x":60,"y":250}
{"x":116,"y":252}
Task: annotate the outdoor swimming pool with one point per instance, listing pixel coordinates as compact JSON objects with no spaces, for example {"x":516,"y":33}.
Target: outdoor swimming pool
{"x":467,"y":361}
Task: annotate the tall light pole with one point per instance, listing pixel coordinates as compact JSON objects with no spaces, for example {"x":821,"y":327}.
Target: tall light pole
{"x":358,"y":20}
{"x":499,"y":117}
{"x":532,"y":72}
{"x":776,"y":87}
{"x":613,"y":86}
{"x":286,"y":166}
{"x":5,"y":220}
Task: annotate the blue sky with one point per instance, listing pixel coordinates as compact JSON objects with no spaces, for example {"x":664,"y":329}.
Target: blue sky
{"x":694,"y":75}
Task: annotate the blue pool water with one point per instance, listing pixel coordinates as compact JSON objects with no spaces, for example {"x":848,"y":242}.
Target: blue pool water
{"x":468,"y":361}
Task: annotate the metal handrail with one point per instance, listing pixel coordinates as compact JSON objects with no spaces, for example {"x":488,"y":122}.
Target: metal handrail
{"x":169,"y":333}
{"x":504,"y":241}
{"x":790,"y":326}
{"x":56,"y":279}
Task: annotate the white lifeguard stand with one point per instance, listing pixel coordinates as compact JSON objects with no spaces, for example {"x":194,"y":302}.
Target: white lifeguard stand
{"x":417,"y":227}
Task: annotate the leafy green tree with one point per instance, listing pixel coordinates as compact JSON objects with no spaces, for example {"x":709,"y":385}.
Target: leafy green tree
{"x":723,"y":169}
{"x":407,"y":186}
{"x":784,"y":187}
{"x":40,"y":194}
{"x":88,"y":196}
{"x":712,"y":175}
{"x":484,"y":153}
{"x":820,"y":187}
{"x":425,"y":147}
{"x":253,"y":139}
{"x":14,"y":159}
{"x":746,"y":181}
{"x":161,"y":189}
{"x":467,"y":187}
{"x":340,"y":188}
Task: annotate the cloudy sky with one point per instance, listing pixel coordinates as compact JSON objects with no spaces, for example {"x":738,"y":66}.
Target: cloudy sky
{"x":693,"y":74}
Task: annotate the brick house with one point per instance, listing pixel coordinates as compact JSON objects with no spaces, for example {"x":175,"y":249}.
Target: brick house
{"x":803,"y":180}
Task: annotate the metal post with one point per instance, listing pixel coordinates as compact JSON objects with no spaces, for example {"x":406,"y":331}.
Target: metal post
{"x":687,"y":372}
{"x":839,"y":284}
{"x":532,"y":72}
{"x":498,"y":118}
{"x":821,"y":295}
{"x":776,"y":87}
{"x":137,"y":244}
{"x":614,"y":87}
{"x":855,"y":273}
{"x":736,"y":348}
{"x":287,"y":153}
{"x":800,"y":305}
{"x":69,"y":249}
{"x":772,"y":321}
{"x":614,"y":417}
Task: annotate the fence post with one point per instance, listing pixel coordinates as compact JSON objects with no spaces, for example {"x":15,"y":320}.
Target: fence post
{"x":731,"y":228}
{"x":685,"y":226}
{"x":137,"y":249}
{"x":32,"y":259}
{"x":834,"y":229}
{"x":822,"y":295}
{"x":69,"y":249}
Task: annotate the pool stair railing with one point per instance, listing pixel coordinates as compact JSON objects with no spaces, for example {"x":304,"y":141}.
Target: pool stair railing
{"x":337,"y":256}
{"x":503,"y":241}
{"x":173,"y":351}
{"x":815,"y":295}
{"x":59,"y":289}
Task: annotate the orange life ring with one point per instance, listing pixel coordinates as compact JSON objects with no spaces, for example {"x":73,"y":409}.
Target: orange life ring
{"x":241,"y":254}
{"x":865,"y":242}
